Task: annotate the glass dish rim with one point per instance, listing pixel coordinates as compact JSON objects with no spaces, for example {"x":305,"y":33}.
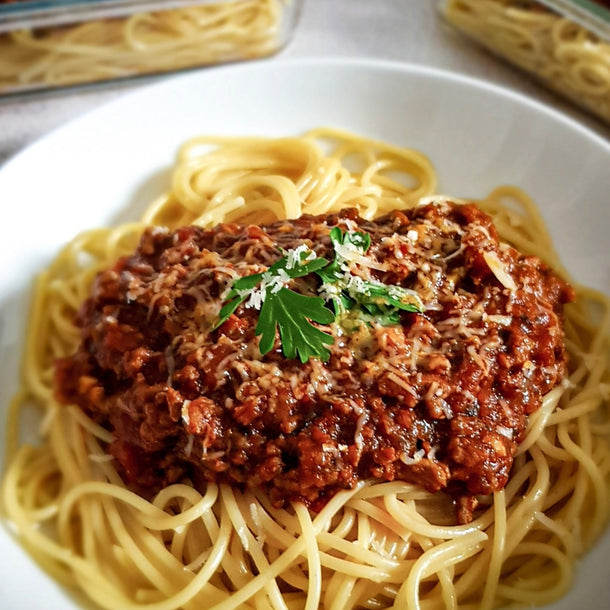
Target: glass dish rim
{"x":590,"y":15}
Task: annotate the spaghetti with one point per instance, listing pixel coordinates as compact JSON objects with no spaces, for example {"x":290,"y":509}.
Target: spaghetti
{"x":384,"y":544}
{"x":142,"y":43}
{"x":566,"y":56}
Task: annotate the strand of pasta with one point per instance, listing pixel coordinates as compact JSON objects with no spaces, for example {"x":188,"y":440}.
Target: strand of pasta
{"x":497,"y":552}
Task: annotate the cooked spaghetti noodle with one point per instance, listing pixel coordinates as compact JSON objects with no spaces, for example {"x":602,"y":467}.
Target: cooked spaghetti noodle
{"x":566,"y":56}
{"x":142,"y":43}
{"x":387,"y":544}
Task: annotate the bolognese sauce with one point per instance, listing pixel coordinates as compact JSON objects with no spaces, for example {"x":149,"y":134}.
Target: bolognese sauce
{"x":439,"y":399}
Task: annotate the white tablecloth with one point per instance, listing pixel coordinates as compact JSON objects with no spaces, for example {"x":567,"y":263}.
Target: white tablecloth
{"x":404,"y":30}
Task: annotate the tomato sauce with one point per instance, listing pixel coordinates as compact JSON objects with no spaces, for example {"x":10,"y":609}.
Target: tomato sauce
{"x":440,"y":400}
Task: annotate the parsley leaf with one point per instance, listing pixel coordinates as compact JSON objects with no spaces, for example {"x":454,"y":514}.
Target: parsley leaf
{"x":291,"y":312}
{"x":237,"y":295}
{"x":369,"y":299}
{"x":283,"y":308}
{"x":395,"y":296}
{"x":336,"y":271}
{"x":242,"y":288}
{"x":299,"y":270}
{"x":358,"y":239}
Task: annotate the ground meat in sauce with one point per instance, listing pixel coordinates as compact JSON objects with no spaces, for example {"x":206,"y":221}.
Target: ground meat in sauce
{"x":440,"y":400}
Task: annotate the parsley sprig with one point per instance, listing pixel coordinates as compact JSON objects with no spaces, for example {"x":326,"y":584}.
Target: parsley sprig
{"x":292,"y":313}
{"x":370,"y":300}
{"x":284,"y":309}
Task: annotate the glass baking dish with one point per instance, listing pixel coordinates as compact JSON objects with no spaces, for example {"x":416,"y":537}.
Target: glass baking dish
{"x":47,"y":44}
{"x":564,"y":43}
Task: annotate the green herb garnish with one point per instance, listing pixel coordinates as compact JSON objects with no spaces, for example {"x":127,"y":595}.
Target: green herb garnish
{"x":292,"y":313}
{"x":348,"y":292}
{"x":283,"y":308}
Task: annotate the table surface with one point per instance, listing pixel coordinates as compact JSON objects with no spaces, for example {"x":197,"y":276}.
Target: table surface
{"x":397,"y":30}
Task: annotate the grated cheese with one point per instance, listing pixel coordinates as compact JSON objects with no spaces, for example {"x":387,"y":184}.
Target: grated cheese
{"x":189,"y":445}
{"x":185,"y":412}
{"x":499,"y":319}
{"x":418,"y":456}
{"x":507,"y":432}
{"x":499,"y":270}
{"x":294,"y":256}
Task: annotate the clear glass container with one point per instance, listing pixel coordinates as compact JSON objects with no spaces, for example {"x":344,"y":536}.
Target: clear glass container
{"x":47,"y":44}
{"x":563,"y":43}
